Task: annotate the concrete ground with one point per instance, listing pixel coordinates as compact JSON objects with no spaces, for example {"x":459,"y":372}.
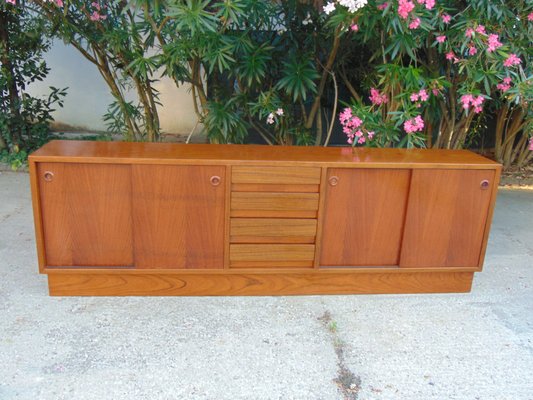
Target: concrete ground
{"x":458,"y":346}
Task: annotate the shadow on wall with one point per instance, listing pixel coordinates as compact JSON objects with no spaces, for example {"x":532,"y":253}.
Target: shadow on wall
{"x":88,"y":96}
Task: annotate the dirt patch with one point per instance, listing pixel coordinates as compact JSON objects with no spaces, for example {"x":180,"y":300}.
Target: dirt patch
{"x":517,"y":178}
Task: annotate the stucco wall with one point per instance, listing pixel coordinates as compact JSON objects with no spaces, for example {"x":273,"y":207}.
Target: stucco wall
{"x":88,"y":95}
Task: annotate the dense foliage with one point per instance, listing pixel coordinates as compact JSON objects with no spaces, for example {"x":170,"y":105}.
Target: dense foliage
{"x":24,"y":118}
{"x":408,"y":73}
{"x":439,"y":69}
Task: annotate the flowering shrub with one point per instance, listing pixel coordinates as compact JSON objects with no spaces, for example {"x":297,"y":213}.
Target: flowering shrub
{"x":437,"y":66}
{"x":427,"y":73}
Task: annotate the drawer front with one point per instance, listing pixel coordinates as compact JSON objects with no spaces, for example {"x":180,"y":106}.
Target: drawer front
{"x":275,"y":175}
{"x":272,"y":205}
{"x":272,"y":230}
{"x":271,"y":255}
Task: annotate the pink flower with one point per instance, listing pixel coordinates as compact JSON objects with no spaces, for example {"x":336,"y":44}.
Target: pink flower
{"x":493,"y":43}
{"x":359,"y":133}
{"x":469,"y":32}
{"x":505,"y":85}
{"x":477,"y":103}
{"x":435,"y":92}
{"x":349,"y":121}
{"x":472,"y":50}
{"x":530,"y":17}
{"x":354,"y":27}
{"x":270,"y":119}
{"x":415,"y":23}
{"x":14,"y":2}
{"x":430,"y":4}
{"x":377,"y":98}
{"x":370,"y":134}
{"x":470,"y":100}
{"x":361,"y":140}
{"x":446,"y":18}
{"x":481,"y":30}
{"x":383,"y":6}
{"x":451,"y":56}
{"x":415,"y":124}
{"x":421,"y":95}
{"x":279,"y":111}
{"x":408,"y":126}
{"x":404,"y":8}
{"x":95,"y":16}
{"x":350,"y":140}
{"x":345,"y":116}
{"x":441,"y":38}
{"x":513,"y":59}
{"x":466,"y":99}
{"x":355,"y":122}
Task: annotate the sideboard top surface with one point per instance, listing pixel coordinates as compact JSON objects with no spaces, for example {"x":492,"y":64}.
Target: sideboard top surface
{"x":166,"y":153}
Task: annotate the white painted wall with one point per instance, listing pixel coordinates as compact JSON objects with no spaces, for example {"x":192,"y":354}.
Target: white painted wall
{"x":88,"y":95}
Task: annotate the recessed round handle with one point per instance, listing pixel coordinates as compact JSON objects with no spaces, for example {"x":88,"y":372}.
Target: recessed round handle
{"x":484,"y":184}
{"x":48,"y":176}
{"x":215,"y":180}
{"x":334,"y":180}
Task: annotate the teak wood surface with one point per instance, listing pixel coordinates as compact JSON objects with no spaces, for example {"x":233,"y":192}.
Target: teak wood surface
{"x":197,"y":154}
{"x":450,"y":222}
{"x":255,"y":284}
{"x":86,"y":214}
{"x":178,"y":216}
{"x":364,"y":216}
{"x":272,"y":230}
{"x":166,"y":219}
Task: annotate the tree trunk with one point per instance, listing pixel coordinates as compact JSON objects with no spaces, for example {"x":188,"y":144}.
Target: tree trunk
{"x":500,"y":126}
{"x":109,"y":77}
{"x":322,"y":85}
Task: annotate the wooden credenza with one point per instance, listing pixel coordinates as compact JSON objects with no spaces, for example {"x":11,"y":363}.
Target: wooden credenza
{"x":165,"y":219}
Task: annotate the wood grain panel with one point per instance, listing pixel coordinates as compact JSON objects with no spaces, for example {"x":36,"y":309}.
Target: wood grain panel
{"x":273,"y":213}
{"x":271,"y":255}
{"x":272,"y":230}
{"x":274,"y":201}
{"x":257,"y":155}
{"x":364,"y":217}
{"x":37,"y":215}
{"x":446,"y":218}
{"x":276,"y":175}
{"x":227,"y":213}
{"x":320,"y":216}
{"x":259,"y":187}
{"x":178,"y":216}
{"x":86,"y":214}
{"x":255,"y":284}
{"x":492,"y":204}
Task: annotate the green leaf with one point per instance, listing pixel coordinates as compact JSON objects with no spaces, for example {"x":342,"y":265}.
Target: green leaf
{"x":298,"y":78}
{"x":193,"y":16}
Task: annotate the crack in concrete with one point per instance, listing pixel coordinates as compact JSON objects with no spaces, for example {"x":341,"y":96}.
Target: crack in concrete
{"x":349,"y":384}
